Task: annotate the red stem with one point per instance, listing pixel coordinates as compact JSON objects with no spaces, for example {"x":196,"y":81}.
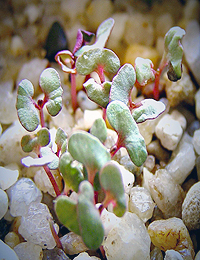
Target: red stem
{"x":55,"y":235}
{"x":42,"y":117}
{"x":100,"y":72}
{"x":52,"y":180}
{"x":73,"y":91}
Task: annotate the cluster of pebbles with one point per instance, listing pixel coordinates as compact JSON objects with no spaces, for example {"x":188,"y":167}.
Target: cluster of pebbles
{"x":163,"y":196}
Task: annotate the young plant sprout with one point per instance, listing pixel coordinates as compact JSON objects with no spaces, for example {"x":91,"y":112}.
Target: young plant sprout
{"x":83,"y":161}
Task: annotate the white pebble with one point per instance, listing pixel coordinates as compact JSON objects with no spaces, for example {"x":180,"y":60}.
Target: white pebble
{"x":35,"y":226}
{"x":3,"y":203}
{"x":109,"y":220}
{"x":7,"y":253}
{"x":197,"y":103}
{"x":128,"y":239}
{"x":90,"y":116}
{"x":84,"y":102}
{"x":7,"y":177}
{"x":147,"y":175}
{"x":196,"y":141}
{"x":21,"y":195}
{"x":176,"y":167}
{"x":12,"y":239}
{"x":17,"y":45}
{"x":33,"y":12}
{"x":169,"y":131}
{"x":85,"y":256}
{"x":24,"y":249}
{"x":176,"y":115}
{"x":141,"y":203}
{"x":172,"y":255}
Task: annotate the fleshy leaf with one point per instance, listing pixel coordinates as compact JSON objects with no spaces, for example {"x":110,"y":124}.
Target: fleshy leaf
{"x":99,"y":93}
{"x":71,"y":174}
{"x":30,"y":161}
{"x":88,"y":150}
{"x":66,"y":211}
{"x":92,"y":230}
{"x":47,"y":153}
{"x":99,"y":129}
{"x":65,"y":59}
{"x":102,"y":35}
{"x":81,"y":38}
{"x":149,"y":109}
{"x":121,"y":120}
{"x":91,"y":60}
{"x":27,"y":113}
{"x":174,"y":52}
{"x":42,"y":138}
{"x":143,"y":69}
{"x":123,"y":83}
{"x":61,"y":137}
{"x":111,"y":182}
{"x":51,"y":86}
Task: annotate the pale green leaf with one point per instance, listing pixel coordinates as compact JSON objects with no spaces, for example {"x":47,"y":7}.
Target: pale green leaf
{"x":144,"y":72}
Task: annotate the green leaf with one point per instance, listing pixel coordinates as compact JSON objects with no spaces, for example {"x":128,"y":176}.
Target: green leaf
{"x":61,"y":137}
{"x":99,"y":93}
{"x":66,"y":211}
{"x":121,"y":120}
{"x":174,"y":52}
{"x":90,"y":61}
{"x":102,"y":35}
{"x":71,"y":174}
{"x":43,"y":136}
{"x":144,"y":72}
{"x":91,"y":227}
{"x":149,"y":109}
{"x":111,"y":182}
{"x":123,"y":83}
{"x":51,"y":86}
{"x":27,"y":113}
{"x":88,"y":150}
{"x":46,"y":152}
{"x":99,"y":129}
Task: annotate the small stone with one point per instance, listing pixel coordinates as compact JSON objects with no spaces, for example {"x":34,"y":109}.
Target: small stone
{"x":7,"y":177}
{"x":24,"y":249}
{"x":197,"y":164}
{"x":163,"y":23}
{"x":84,"y":102}
{"x":156,"y":254}
{"x":73,"y":244}
{"x":17,"y":45}
{"x":176,"y":115}
{"x":109,"y":220}
{"x":170,"y":199}
{"x":191,"y":207}
{"x":172,"y":234}
{"x":35,"y":226}
{"x":150,"y":162}
{"x":197,"y":256}
{"x":12,"y":239}
{"x":90,"y":116}
{"x":197,"y":103}
{"x":21,"y":195}
{"x":172,"y":255}
{"x":7,"y":253}
{"x":169,"y":132}
{"x":147,"y":129}
{"x":128,"y":239}
{"x":158,"y":151}
{"x":33,"y":12}
{"x":196,"y":141}
{"x":54,"y":254}
{"x":176,"y":167}
{"x":195,"y":125}
{"x":85,"y":256}
{"x":3,"y":203}
{"x":147,"y":175}
{"x":141,"y":203}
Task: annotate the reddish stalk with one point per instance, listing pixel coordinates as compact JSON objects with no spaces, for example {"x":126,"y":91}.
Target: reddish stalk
{"x":52,"y":180}
{"x":73,"y":91}
{"x":55,"y":235}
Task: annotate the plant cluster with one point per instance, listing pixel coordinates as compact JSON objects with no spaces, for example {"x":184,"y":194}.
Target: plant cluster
{"x":84,"y":162}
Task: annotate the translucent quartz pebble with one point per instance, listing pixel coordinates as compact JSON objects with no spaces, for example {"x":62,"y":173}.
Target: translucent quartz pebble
{"x":7,"y":177}
{"x":197,"y":103}
{"x":173,"y":255}
{"x":158,"y":151}
{"x":156,"y":254}
{"x":169,"y":132}
{"x":3,"y":203}
{"x":172,"y":234}
{"x":191,"y":207}
{"x":7,"y":253}
{"x":197,"y":257}
{"x":176,"y":167}
{"x":141,"y":203}
{"x":21,"y":195}
{"x":35,"y":226}
{"x":167,"y":194}
{"x":196,"y":141}
{"x":12,"y":239}
{"x":198,"y":167}
{"x":73,"y":244}
{"x":85,"y":256}
{"x":195,"y":125}
{"x":54,"y":254}
{"x":24,"y":249}
{"x":147,"y":175}
{"x":128,"y":239}
{"x":109,"y":220}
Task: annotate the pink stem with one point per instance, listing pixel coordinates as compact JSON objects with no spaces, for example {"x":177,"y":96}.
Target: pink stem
{"x":73,"y":91}
{"x":55,"y":235}
{"x":104,"y":114}
{"x":42,"y":117}
{"x":52,"y":180}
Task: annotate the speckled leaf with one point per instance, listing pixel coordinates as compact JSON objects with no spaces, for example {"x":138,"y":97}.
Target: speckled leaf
{"x":43,"y":136}
{"x":90,"y":60}
{"x":99,"y":93}
{"x":66,"y":211}
{"x":27,"y":113}
{"x":91,"y":227}
{"x":149,"y":109}
{"x":123,"y":83}
{"x":51,"y":86}
{"x":111,"y":182}
{"x":61,"y":137}
{"x":174,"y":52}
{"x":65,"y":59}
{"x":99,"y":129}
{"x":121,"y":120}
{"x":71,"y":174}
{"x":88,"y":150}
{"x":143,"y":69}
{"x":47,"y":152}
{"x":102,"y":35}
{"x":81,"y":38}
